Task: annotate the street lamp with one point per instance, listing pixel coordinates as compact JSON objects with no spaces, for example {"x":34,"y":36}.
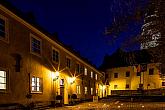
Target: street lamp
{"x":72,"y":80}
{"x":55,"y":76}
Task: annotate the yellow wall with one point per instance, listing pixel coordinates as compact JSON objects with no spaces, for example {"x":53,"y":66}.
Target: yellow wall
{"x":133,"y":80}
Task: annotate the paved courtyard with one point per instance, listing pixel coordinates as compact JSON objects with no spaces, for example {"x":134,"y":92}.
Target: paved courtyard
{"x":115,"y":105}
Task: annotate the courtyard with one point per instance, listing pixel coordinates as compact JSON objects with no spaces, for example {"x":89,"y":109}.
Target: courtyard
{"x":115,"y":105}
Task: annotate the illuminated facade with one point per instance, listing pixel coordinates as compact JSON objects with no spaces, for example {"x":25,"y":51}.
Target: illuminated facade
{"x":128,"y":78}
{"x":34,"y":67}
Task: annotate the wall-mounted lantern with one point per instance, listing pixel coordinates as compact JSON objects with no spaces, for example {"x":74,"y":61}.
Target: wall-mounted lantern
{"x":55,"y":75}
{"x":72,"y":80}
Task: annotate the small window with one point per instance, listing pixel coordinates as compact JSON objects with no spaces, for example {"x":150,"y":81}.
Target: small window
{"x":151,"y":71}
{"x":96,"y":76}
{"x":62,"y":82}
{"x":115,"y":75}
{"x":127,"y":86}
{"x":78,"y":68}
{"x":86,"y":90}
{"x":78,"y":89}
{"x":115,"y":86}
{"x":91,"y":74}
{"x":91,"y":91}
{"x":127,"y":74}
{"x":163,"y":83}
{"x":85,"y":71}
{"x":3,"y":28}
{"x":36,"y":84}
{"x":68,"y":62}
{"x":138,"y":74}
{"x":2,"y":80}
{"x":55,"y":55}
{"x":35,"y":45}
{"x":82,"y":69}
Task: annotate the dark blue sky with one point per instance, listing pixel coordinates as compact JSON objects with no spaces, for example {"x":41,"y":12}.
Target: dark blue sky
{"x":81,"y":23}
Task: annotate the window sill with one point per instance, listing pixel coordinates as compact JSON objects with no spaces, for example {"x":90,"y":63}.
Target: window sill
{"x":35,"y":92}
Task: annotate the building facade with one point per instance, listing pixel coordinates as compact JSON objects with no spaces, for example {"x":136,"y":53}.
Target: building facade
{"x":35,"y":67}
{"x":128,"y":78}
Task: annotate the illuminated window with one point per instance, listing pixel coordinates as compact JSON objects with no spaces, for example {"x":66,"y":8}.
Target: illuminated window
{"x":55,"y":55}
{"x":96,"y":76}
{"x":35,"y":45}
{"x":127,"y":86}
{"x":96,"y":91}
{"x":78,"y":68}
{"x":115,"y":86}
{"x":68,"y":62}
{"x":62,"y":82}
{"x":115,"y":75}
{"x":36,"y":84}
{"x":85,"y":71}
{"x":78,"y":89}
{"x":91,"y":91}
{"x":2,"y":80}
{"x":86,"y":90}
{"x":91,"y":74}
{"x":151,"y":71}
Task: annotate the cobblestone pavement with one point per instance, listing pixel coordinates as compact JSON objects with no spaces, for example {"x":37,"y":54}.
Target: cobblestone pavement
{"x":116,"y":105}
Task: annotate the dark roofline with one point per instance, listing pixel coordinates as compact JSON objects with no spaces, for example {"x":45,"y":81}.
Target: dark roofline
{"x":22,"y":15}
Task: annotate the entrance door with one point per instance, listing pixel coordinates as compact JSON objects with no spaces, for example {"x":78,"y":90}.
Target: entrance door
{"x":62,"y":89}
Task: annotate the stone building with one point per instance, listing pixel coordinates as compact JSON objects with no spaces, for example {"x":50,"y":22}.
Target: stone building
{"x":35,"y":67}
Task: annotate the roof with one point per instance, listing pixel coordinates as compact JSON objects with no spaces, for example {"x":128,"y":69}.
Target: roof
{"x":25,"y":17}
{"x":122,"y":59}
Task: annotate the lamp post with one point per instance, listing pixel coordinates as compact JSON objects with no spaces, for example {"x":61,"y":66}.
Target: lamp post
{"x":71,"y":80}
{"x":55,"y":76}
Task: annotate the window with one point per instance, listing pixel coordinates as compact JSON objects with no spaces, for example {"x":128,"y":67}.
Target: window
{"x":127,"y":86}
{"x":2,"y":80}
{"x":82,"y":69}
{"x":3,"y":28}
{"x":138,"y":73}
{"x":78,"y":68}
{"x":62,"y":82}
{"x":127,"y":74}
{"x":96,"y":91}
{"x":55,"y":55}
{"x":68,"y":62}
{"x":85,"y":71}
{"x":115,"y":86}
{"x":35,"y":45}
{"x":115,"y":75}
{"x":91,"y":74}
{"x":86,"y":90}
{"x":151,"y":71}
{"x":163,"y":83}
{"x":91,"y":91}
{"x":78,"y":89}
{"x":36,"y":84}
{"x":96,"y":76}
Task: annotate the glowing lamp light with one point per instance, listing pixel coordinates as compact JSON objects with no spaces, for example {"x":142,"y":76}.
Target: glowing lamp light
{"x":72,"y":80}
{"x":55,"y":75}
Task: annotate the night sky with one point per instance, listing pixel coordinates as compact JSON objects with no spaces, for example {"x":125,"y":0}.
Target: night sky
{"x":81,"y":23}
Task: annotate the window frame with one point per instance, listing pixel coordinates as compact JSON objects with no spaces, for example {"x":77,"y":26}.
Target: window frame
{"x":56,"y":50}
{"x":7,"y":80}
{"x":116,"y":74}
{"x":78,"y":67}
{"x":151,"y":70}
{"x":85,"y":71}
{"x":85,"y":90}
{"x":78,"y":89}
{"x":6,"y":38}
{"x":126,"y":74}
{"x":40,"y":84}
{"x":68,"y":58}
{"x":39,"y":39}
